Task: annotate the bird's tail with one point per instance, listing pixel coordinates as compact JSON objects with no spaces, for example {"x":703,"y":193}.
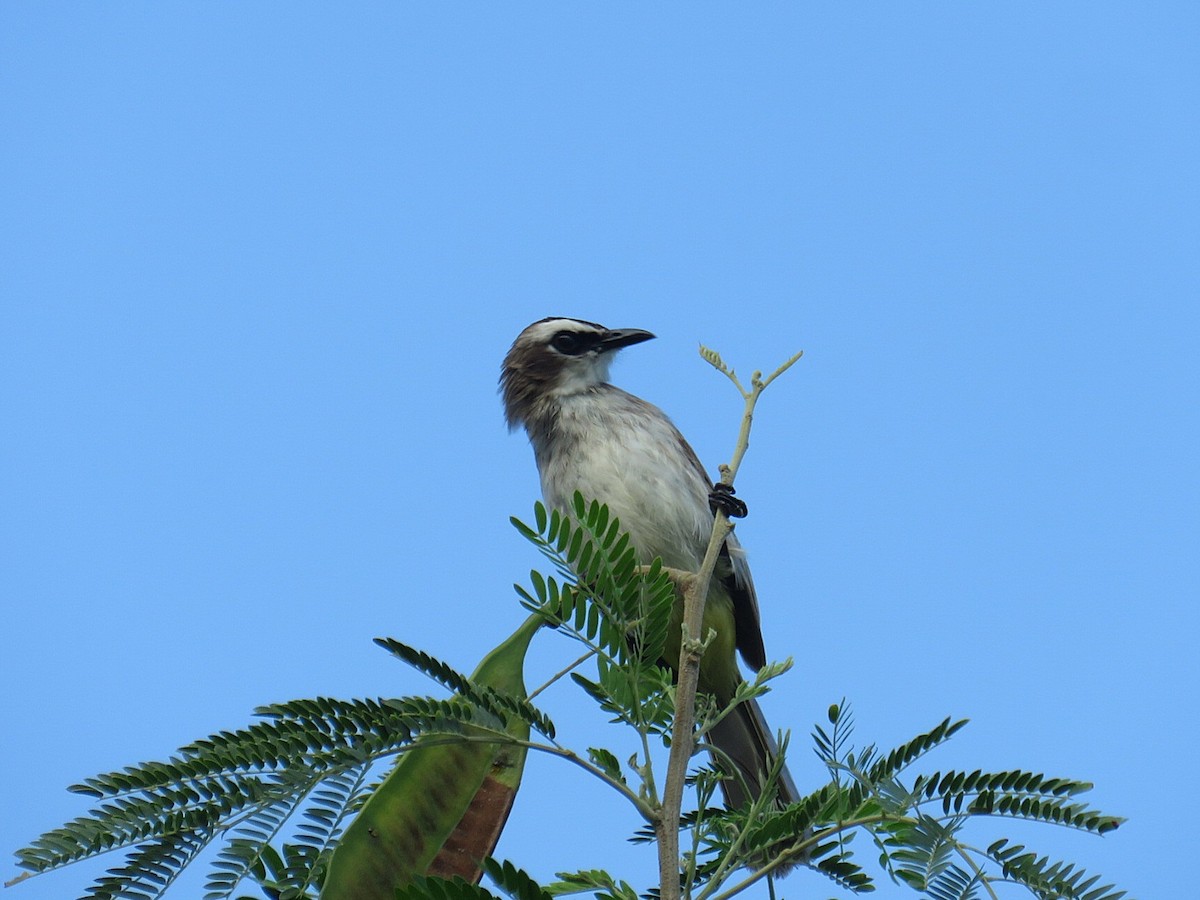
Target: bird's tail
{"x":746,"y":742}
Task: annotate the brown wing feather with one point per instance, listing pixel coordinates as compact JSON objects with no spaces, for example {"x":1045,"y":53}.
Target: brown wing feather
{"x":734,"y":575}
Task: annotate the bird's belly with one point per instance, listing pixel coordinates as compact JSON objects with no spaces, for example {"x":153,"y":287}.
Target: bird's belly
{"x":661,"y":502}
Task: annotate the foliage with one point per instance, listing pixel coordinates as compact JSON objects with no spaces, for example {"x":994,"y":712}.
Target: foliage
{"x":294,"y":780}
{"x":442,"y":808}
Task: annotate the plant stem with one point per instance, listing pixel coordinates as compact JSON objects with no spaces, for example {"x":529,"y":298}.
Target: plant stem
{"x":563,"y":672}
{"x":683,"y":739}
{"x":490,"y":736}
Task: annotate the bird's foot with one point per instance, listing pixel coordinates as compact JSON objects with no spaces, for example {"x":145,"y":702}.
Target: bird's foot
{"x":721,"y":497}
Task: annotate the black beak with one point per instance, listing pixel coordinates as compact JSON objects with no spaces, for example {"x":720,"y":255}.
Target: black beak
{"x":621,"y":337}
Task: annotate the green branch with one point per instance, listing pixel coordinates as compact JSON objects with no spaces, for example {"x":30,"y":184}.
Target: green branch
{"x":683,"y":740}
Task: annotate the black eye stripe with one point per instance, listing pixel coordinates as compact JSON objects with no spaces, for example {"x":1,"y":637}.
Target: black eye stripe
{"x":571,"y":343}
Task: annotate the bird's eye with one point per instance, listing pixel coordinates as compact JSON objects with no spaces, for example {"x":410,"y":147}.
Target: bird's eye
{"x":566,"y":342}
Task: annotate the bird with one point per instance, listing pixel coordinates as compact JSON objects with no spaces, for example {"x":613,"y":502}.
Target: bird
{"x":595,"y":438}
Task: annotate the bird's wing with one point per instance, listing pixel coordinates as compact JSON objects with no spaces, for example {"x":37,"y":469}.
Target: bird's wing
{"x":748,"y":625}
{"x":734,"y":574}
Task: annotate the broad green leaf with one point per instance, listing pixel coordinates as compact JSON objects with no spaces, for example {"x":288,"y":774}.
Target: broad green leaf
{"x":441,"y":810}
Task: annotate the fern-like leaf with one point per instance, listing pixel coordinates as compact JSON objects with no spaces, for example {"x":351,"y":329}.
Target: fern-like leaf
{"x":832,"y":746}
{"x":846,"y":874}
{"x":600,"y":884}
{"x":151,"y":868}
{"x":495,"y":702}
{"x":955,"y":883}
{"x":432,"y":888}
{"x":1046,"y":879}
{"x":925,"y":849}
{"x":515,"y":882}
{"x":1023,"y":795}
{"x":333,"y":804}
{"x":608,"y":602}
{"x":244,"y":852}
{"x":909,"y":752}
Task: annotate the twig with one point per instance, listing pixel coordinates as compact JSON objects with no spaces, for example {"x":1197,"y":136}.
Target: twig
{"x":683,"y":740}
{"x":562,"y":673}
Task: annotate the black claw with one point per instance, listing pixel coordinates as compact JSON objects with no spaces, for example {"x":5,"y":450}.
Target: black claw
{"x":721,"y":497}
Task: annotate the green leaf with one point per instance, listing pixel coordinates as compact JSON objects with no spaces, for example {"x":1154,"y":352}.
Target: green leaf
{"x":603,"y":885}
{"x":1047,"y":879}
{"x":514,"y":881}
{"x":524,"y":529}
{"x":539,"y":584}
{"x":432,"y":888}
{"x":445,"y":803}
{"x":907,"y":753}
{"x":606,"y":762}
{"x":486,"y":698}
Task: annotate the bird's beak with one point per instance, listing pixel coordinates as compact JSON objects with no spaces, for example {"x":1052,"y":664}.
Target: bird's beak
{"x":622,"y":337}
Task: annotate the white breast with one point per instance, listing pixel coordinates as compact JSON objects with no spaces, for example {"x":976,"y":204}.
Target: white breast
{"x":615,"y":448}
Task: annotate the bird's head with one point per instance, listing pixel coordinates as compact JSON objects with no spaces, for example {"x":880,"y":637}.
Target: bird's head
{"x":557,"y":357}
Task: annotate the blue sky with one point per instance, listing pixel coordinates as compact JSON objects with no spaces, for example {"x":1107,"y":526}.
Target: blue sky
{"x":261,"y":263}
